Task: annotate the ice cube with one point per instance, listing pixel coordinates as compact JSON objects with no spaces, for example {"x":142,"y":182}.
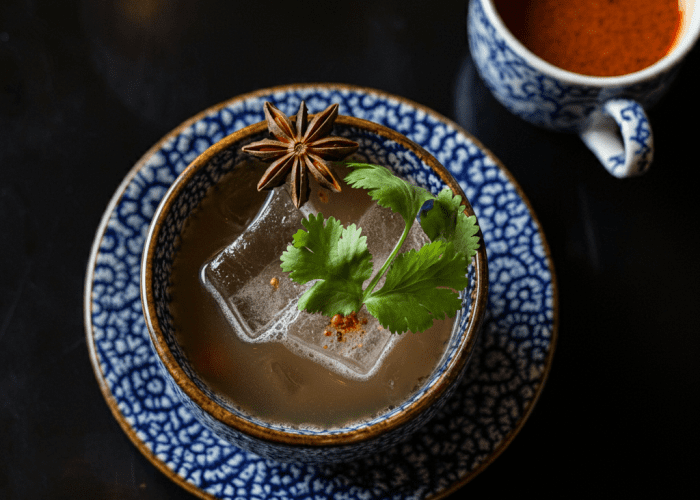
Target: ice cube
{"x":383,"y":228}
{"x":246,"y":279}
{"x":352,"y":352}
{"x":357,"y":354}
{"x":260,"y":301}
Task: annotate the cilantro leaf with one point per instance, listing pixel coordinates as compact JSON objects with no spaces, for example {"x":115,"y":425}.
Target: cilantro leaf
{"x":388,"y":190}
{"x":334,"y":255}
{"x":446,"y":221}
{"x":420,"y":287}
{"x":440,"y":220}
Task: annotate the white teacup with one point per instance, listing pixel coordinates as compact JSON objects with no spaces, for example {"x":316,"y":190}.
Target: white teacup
{"x":606,"y":112}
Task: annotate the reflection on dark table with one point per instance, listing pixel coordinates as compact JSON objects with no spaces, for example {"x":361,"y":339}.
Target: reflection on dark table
{"x":87,"y":87}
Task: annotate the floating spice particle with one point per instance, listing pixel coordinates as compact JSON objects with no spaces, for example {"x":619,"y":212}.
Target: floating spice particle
{"x":275,"y":283}
{"x":323,"y":196}
{"x":344,"y":326}
{"x":347,"y":323}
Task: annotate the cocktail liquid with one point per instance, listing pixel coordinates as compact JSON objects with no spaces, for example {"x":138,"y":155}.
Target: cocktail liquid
{"x":267,"y":379}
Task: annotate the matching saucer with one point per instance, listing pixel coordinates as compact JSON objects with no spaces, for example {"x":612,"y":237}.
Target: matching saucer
{"x":504,"y":377}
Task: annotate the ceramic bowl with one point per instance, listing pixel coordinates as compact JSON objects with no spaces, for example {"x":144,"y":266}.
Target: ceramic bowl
{"x":380,"y":145}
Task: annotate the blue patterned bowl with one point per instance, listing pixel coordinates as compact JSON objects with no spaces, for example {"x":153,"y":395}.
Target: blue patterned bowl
{"x":608,"y":113}
{"x":378,"y":144}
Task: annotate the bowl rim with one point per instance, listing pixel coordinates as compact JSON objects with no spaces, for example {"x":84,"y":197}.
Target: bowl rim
{"x":450,"y":375}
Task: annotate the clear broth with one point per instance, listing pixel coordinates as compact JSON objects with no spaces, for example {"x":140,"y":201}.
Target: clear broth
{"x":267,"y":380}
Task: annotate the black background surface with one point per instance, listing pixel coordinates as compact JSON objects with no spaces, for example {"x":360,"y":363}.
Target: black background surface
{"x":87,"y":87}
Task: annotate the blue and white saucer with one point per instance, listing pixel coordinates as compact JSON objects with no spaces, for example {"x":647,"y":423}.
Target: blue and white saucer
{"x":504,"y":377}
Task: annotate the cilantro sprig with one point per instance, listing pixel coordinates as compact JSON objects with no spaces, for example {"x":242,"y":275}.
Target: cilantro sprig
{"x":421,"y":285}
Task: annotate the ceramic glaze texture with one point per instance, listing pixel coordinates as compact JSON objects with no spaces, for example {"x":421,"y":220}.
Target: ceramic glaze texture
{"x":373,"y":148}
{"x":503,"y":379}
{"x":635,"y":129}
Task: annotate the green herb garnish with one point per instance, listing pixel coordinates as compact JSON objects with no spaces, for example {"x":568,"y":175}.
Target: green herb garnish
{"x":420,"y":285}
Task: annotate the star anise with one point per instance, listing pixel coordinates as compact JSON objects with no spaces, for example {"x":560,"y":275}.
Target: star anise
{"x":297,"y":150}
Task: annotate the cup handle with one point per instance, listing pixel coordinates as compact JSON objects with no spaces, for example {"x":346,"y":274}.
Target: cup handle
{"x":619,"y":134}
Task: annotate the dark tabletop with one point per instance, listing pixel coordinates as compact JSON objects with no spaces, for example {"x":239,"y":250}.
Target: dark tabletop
{"x":87,"y":87}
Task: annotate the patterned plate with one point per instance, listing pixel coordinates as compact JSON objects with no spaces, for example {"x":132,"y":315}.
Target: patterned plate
{"x":503,"y":380}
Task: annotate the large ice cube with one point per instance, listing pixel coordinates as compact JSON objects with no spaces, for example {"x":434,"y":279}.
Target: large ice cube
{"x":357,"y":353}
{"x":260,"y":301}
{"x":354,"y":353}
{"x":383,"y":228}
{"x":245,"y":278}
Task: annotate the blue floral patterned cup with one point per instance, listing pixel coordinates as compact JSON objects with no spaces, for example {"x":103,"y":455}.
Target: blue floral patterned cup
{"x":606,"y":112}
{"x":378,"y":144}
